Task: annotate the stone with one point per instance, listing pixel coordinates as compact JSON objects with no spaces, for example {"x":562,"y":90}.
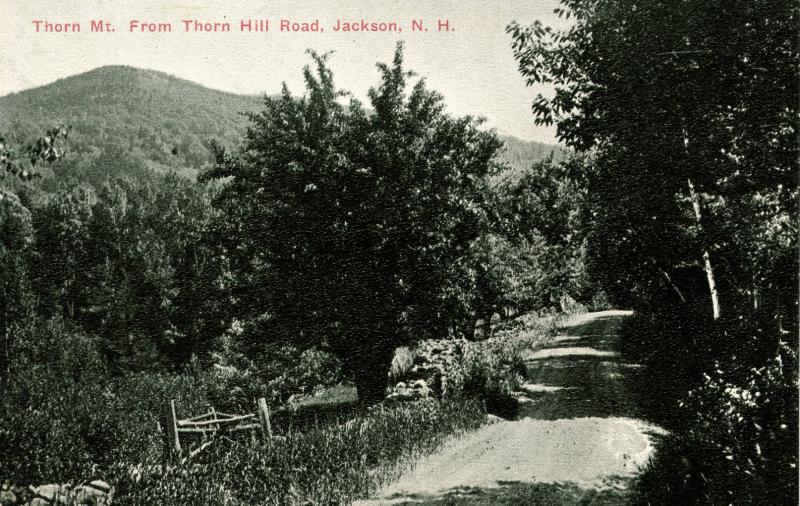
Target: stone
{"x":8,"y":498}
{"x":96,"y":493}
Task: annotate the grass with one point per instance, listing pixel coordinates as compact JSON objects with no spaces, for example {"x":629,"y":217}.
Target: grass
{"x":530,"y":494}
{"x":70,"y":421}
{"x":334,"y":464}
{"x":336,"y":395}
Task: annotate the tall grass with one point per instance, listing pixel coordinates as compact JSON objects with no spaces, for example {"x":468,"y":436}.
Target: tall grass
{"x":64,"y":418}
{"x":325,"y":465}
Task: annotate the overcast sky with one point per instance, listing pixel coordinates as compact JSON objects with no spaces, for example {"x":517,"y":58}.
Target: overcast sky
{"x":472,"y":65}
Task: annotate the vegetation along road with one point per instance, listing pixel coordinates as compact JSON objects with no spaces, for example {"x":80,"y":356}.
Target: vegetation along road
{"x":576,"y":439}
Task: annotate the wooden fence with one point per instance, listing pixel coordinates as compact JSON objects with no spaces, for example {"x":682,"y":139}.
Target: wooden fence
{"x":212,"y":423}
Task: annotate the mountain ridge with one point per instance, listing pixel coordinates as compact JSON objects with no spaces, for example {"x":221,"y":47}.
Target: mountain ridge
{"x":158,"y":120}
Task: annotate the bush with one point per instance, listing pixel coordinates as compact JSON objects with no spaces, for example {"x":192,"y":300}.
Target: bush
{"x":55,"y":428}
{"x":490,"y":370}
{"x":273,"y":371}
{"x":728,"y":391}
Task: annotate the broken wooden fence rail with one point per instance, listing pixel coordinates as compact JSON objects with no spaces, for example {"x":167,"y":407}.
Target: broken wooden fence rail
{"x":209,"y":424}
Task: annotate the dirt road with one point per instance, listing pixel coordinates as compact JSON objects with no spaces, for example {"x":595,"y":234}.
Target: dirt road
{"x":577,"y":438}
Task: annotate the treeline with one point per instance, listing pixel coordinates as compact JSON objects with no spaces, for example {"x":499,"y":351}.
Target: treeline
{"x":332,"y":228}
{"x":689,"y":111}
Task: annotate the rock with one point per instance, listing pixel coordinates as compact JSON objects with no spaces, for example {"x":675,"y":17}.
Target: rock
{"x":225,"y":370}
{"x":422,"y":390}
{"x":101,"y":485}
{"x":96,"y":493}
{"x":7,"y":498}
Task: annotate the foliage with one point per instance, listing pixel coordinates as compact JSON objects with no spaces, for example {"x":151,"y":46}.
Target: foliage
{"x":725,"y":390}
{"x":688,"y":111}
{"x":62,"y":414}
{"x":490,"y":370}
{"x":275,"y":371}
{"x":750,"y":424}
{"x":737,"y":427}
{"x":65,"y":419}
{"x":341,"y":226}
{"x":130,"y":263}
{"x":496,"y":366}
{"x":541,"y":215}
{"x":16,"y":298}
{"x":15,"y":230}
{"x":674,"y":104}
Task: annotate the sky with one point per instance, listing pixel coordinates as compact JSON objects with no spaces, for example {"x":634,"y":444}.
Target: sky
{"x":471,"y":64}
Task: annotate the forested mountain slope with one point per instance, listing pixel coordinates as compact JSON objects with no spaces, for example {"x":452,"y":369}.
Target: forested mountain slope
{"x":124,"y":118}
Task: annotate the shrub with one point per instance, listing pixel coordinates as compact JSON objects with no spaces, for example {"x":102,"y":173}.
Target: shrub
{"x":731,"y":402}
{"x":55,"y":428}
{"x":749,"y":429}
{"x":273,"y":371}
{"x":490,"y":370}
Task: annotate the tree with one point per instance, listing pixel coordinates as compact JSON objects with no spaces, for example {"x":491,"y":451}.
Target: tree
{"x":542,"y":253}
{"x":16,"y":302}
{"x":341,"y":224}
{"x":690,"y":111}
{"x":59,"y":263}
{"x":153,"y":274}
{"x":15,"y":296}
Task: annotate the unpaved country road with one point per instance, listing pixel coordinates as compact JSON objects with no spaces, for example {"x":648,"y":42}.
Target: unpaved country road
{"x":577,"y":427}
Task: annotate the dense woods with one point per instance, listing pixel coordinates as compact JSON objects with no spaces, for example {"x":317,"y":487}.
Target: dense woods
{"x":689,"y":112}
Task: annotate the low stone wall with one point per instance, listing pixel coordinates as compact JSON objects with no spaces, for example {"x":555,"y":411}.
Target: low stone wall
{"x":94,"y":493}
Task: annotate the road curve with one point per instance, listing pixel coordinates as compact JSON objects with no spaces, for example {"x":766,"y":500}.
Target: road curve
{"x":577,"y":425}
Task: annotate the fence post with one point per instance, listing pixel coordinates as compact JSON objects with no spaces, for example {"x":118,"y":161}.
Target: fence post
{"x":263,"y":415}
{"x":172,"y":428}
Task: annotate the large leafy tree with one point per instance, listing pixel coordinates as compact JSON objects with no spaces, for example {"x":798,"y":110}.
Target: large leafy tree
{"x":341,"y":224}
{"x":690,"y":109}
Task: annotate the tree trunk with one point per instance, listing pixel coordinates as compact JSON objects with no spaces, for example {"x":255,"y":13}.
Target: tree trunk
{"x":487,"y":324}
{"x":707,"y":266}
{"x":5,"y":362}
{"x":370,"y":367}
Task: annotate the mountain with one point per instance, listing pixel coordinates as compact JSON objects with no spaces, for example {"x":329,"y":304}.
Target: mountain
{"x":519,"y":154}
{"x":127,"y":119}
{"x":155,"y":119}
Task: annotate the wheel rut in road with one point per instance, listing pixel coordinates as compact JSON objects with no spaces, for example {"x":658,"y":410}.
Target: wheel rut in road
{"x":577,"y":430}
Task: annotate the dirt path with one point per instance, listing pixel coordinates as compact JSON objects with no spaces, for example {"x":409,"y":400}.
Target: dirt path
{"x":577,"y":438}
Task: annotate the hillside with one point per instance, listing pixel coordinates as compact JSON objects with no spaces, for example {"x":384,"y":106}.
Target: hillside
{"x":124,"y":119}
{"x":519,"y":154}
